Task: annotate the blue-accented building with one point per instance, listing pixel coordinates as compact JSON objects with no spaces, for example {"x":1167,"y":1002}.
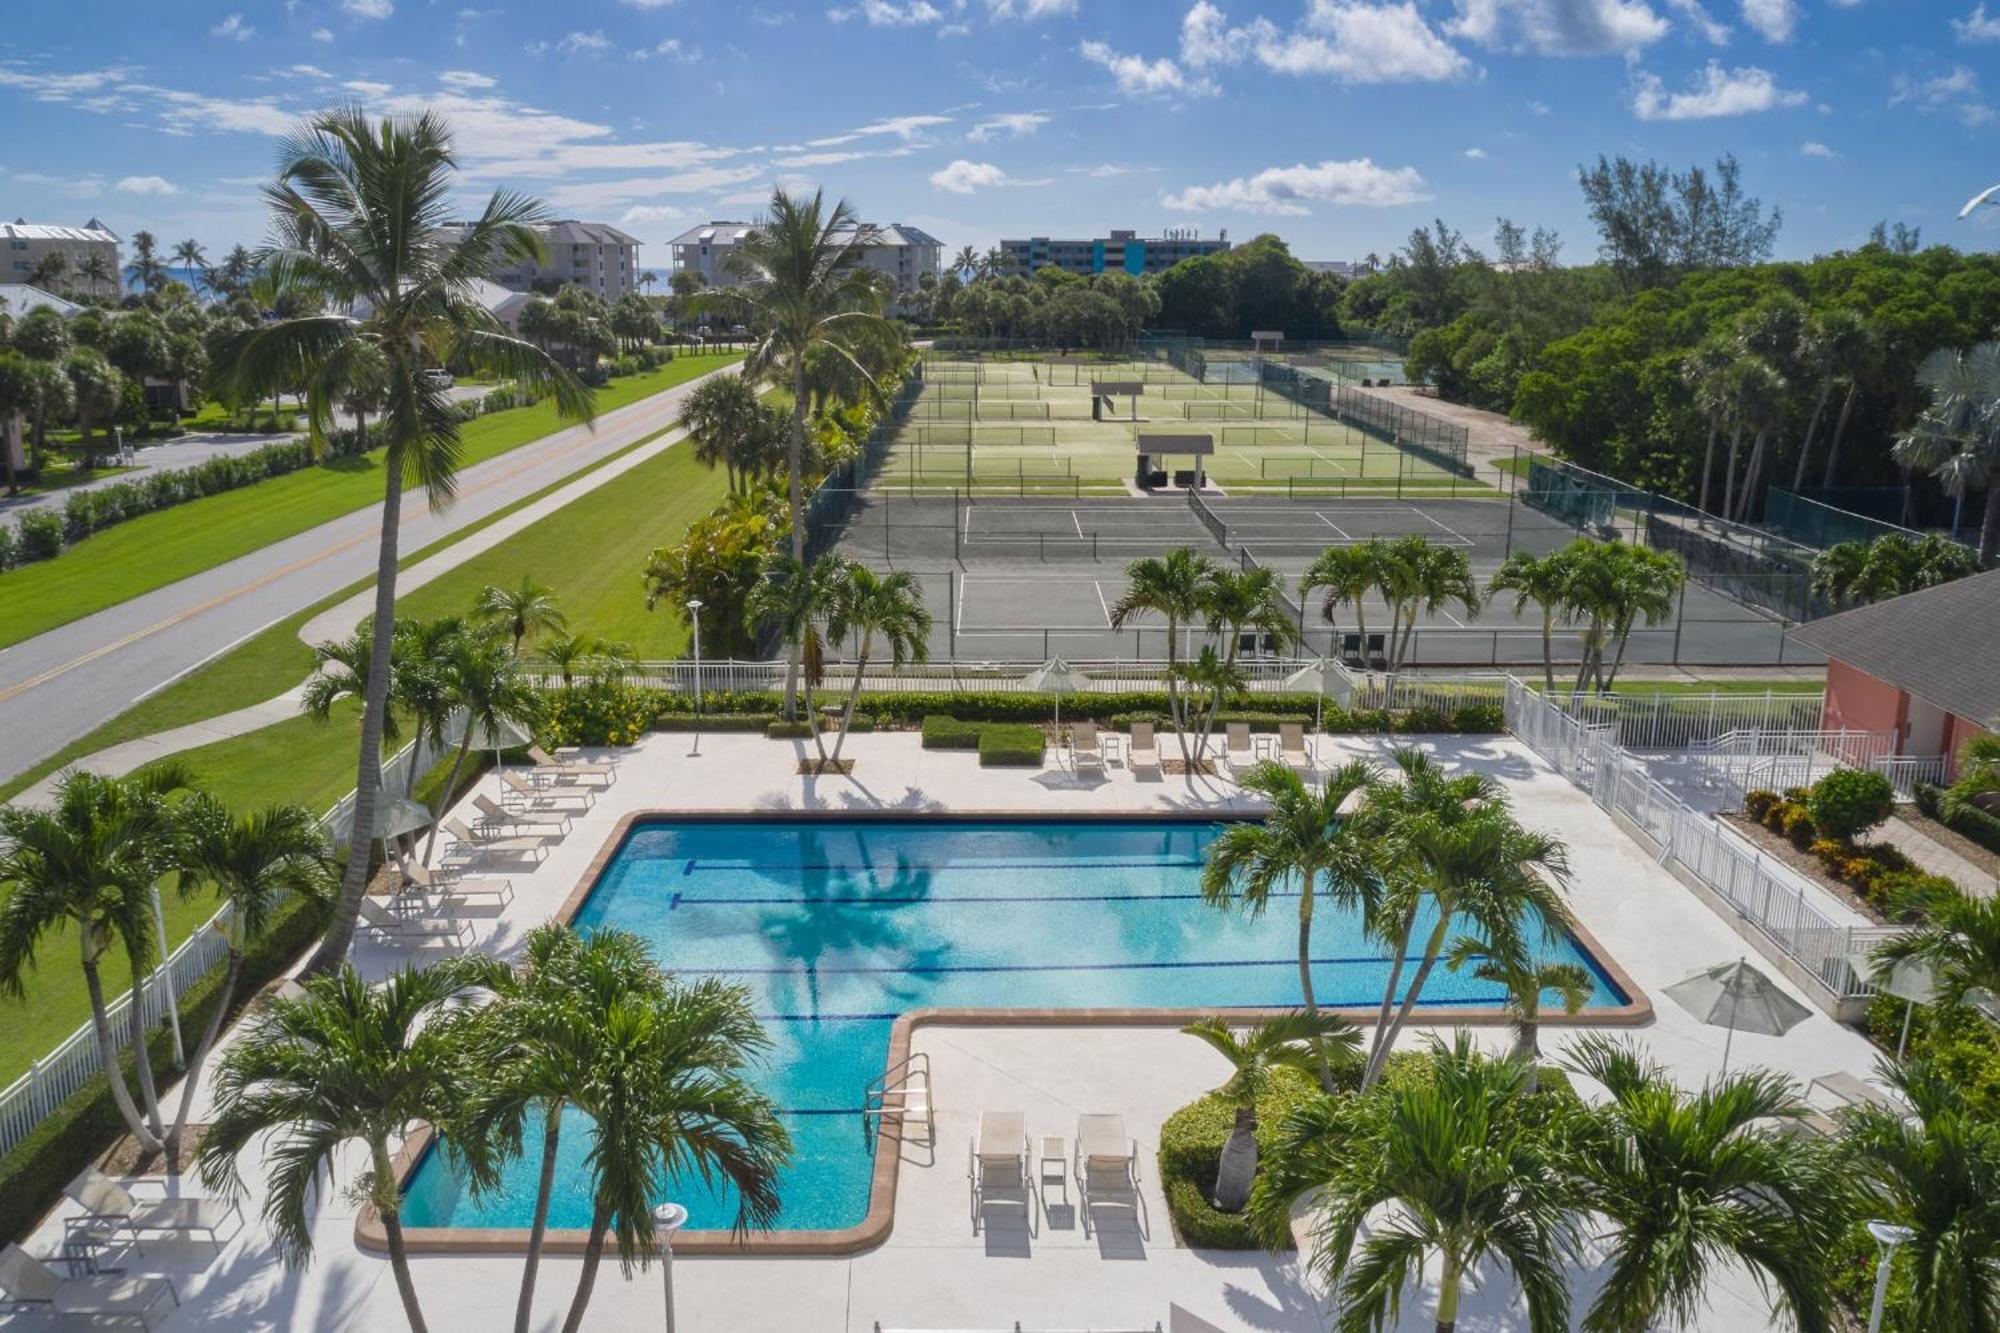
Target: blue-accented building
{"x":1120,"y":252}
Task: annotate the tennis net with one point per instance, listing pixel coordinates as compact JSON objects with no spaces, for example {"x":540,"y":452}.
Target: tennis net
{"x":1210,"y":520}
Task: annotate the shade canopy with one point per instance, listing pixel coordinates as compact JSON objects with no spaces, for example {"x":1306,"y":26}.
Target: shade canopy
{"x":504,"y":736}
{"x":1739,"y":997}
{"x":1055,"y":677}
{"x":1323,"y":676}
{"x":1911,"y":979}
{"x":394,"y":817}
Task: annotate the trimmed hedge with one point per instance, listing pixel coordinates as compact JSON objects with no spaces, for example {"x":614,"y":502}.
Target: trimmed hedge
{"x":1191,"y":1150}
{"x":33,"y":1174}
{"x":797,"y":729}
{"x":948,"y":733}
{"x":1011,"y":745}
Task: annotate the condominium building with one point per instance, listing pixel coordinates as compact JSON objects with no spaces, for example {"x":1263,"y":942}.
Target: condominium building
{"x":592,"y":255}
{"x":1120,"y":252}
{"x":24,"y":245}
{"x":903,"y":253}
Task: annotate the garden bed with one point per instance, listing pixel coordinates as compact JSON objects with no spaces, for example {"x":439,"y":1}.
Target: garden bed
{"x":1779,"y":849}
{"x":1949,"y":838}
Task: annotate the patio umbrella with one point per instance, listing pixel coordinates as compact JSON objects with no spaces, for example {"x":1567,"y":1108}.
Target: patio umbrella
{"x":1737,"y":997}
{"x":1322,"y":676}
{"x":1912,"y":981}
{"x":502,"y":737}
{"x":395,"y":816}
{"x":1056,"y":677}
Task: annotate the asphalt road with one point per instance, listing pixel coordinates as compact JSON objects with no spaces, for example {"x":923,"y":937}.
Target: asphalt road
{"x":57,"y":686}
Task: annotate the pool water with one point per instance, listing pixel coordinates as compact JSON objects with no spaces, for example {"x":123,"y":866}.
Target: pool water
{"x":838,"y":927}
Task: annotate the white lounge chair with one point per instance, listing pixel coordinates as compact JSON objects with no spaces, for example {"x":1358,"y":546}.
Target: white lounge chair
{"x":1085,"y":750}
{"x":572,"y":768}
{"x":1106,"y":1165}
{"x":108,"y":1202}
{"x":384,"y":923}
{"x":450,"y":884}
{"x":468,"y":845}
{"x":1292,"y":747}
{"x":1240,"y":750}
{"x":1143,"y":752}
{"x":30,"y":1284}
{"x":1850,"y":1090}
{"x":541,"y":795}
{"x":997,"y":1164}
{"x":524,"y":822}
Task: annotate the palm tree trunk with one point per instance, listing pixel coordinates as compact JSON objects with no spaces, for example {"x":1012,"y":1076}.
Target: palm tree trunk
{"x":1432,"y":947}
{"x":1237,"y":1168}
{"x":795,"y":449}
{"x":142,"y":1057}
{"x":593,"y":1253}
{"x":1448,"y":1287}
{"x":539,"y":1230}
{"x":1752,"y":475}
{"x":1549,"y":650}
{"x":1605,"y":682}
{"x":1361,"y":625}
{"x":192,"y":1078}
{"x":107,"y":1051}
{"x":1707,"y":464}
{"x":1306,"y":977}
{"x":1989,"y":531}
{"x":392,"y":1232}
{"x":1729,"y":472}
{"x":1401,"y":945}
{"x":450,"y":786}
{"x":853,"y":698}
{"x":7,"y":448}
{"x":1839,"y":429}
{"x":1812,"y":429}
{"x":1173,"y":690}
{"x":368,"y":770}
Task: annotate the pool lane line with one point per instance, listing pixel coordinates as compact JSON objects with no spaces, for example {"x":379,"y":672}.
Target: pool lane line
{"x":974,"y":968}
{"x":904,"y":900}
{"x":855,"y":867}
{"x":1439,"y":1002}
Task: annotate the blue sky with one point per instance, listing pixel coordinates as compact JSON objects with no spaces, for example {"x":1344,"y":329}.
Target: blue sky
{"x":1339,"y":124}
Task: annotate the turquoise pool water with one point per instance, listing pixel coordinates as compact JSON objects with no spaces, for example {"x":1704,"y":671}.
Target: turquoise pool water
{"x":836,"y":928}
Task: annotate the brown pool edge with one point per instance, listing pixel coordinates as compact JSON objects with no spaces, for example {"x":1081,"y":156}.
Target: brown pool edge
{"x":874,"y":1229}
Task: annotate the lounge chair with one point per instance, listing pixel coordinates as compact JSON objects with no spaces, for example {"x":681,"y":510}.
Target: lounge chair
{"x":1852,"y":1091}
{"x":997,"y":1164}
{"x":384,"y":923}
{"x":1106,"y":1165}
{"x":1241,"y":751}
{"x":30,"y":1284}
{"x":475,"y":846}
{"x":549,"y":794}
{"x":108,"y":1202}
{"x":1292,"y":746}
{"x":572,"y":768}
{"x":1084,"y":749}
{"x":521,"y":821}
{"x":450,"y":884}
{"x":1143,"y":752}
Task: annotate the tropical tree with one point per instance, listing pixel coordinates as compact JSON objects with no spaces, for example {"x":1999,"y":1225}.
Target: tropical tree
{"x":966,"y":262}
{"x":1238,"y":602}
{"x":1704,"y":373}
{"x":55,"y":397}
{"x":1175,"y":588}
{"x":794,"y":598}
{"x":1826,"y":351}
{"x":364,"y":387}
{"x":1857,"y":572}
{"x":1541,"y":581}
{"x":484,"y":684}
{"x":18,"y":394}
{"x":193,"y":260}
{"x":802,"y":285}
{"x":96,"y":391}
{"x":51,"y":272}
{"x":1291,"y":1041}
{"x":719,"y":562}
{"x":146,"y":270}
{"x":1526,"y":981}
{"x":520,"y":612}
{"x":1345,"y":575}
{"x":1958,"y":937}
{"x":1467,"y":1171}
{"x":570,"y":654}
{"x":1687,"y":1181}
{"x":1304,"y":842}
{"x":1424,"y":578}
{"x":1936,"y":1172}
{"x":1859,"y":352}
{"x":1957,"y":439}
{"x":360,"y":210}
{"x":1614,"y":584}
{"x":721,"y":415}
{"x":347,"y":1060}
{"x":232,"y":276}
{"x":864,"y":605}
{"x":90,"y":862}
{"x":97,"y":270}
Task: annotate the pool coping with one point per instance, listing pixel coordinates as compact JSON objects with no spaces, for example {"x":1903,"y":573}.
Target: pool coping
{"x":874,"y":1228}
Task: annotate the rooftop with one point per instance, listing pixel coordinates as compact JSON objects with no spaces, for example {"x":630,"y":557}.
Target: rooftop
{"x":20,"y":229}
{"x":723,"y":232}
{"x":1919,"y":643}
{"x":21,"y":298}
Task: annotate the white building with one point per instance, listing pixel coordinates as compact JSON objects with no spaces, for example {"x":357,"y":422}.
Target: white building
{"x":24,"y":245}
{"x":592,"y":255}
{"x":902,"y":252}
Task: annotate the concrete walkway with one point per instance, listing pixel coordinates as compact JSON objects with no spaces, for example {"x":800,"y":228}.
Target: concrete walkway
{"x":1933,"y":857}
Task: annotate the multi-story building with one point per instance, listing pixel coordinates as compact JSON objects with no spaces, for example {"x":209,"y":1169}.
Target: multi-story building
{"x":901,"y":252}
{"x":1120,"y":252}
{"x":592,"y":255}
{"x":24,"y":245}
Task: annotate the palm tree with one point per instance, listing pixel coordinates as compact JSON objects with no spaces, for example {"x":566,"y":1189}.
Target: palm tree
{"x":253,"y":863}
{"x":1470,"y":1178}
{"x":1957,"y":439}
{"x":360,"y":210}
{"x":1437,"y":575}
{"x":346,"y":1061}
{"x":1526,"y":981}
{"x":1958,"y":936}
{"x":520,"y":612}
{"x":1543,"y":582}
{"x":485,"y":684}
{"x":1687,"y":1180}
{"x":1757,"y":393}
{"x":720,"y":413}
{"x":573,"y":653}
{"x":1174,"y":587}
{"x":794,"y":597}
{"x":803,"y":286}
{"x":966,"y":262}
{"x":1252,"y":600}
{"x":50,"y":272}
{"x":364,"y":388}
{"x":96,"y":269}
{"x":1347,"y":574}
{"x":1305,"y":841}
{"x":865,"y":604}
{"x":1860,"y":352}
{"x":90,"y":862}
{"x":19,"y":391}
{"x":233,"y":275}
{"x":341,"y":670}
{"x":1208,"y":680}
{"x":1826,"y":350}
{"x":97,"y":392}
{"x":1614,"y":584}
{"x":193,"y":261}
{"x":1291,"y":1041}
{"x":1937,"y":1173}
{"x":1704,"y":374}
{"x":146,"y":269}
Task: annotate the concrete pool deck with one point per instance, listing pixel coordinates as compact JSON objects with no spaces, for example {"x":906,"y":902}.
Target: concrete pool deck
{"x":933,"y":1271}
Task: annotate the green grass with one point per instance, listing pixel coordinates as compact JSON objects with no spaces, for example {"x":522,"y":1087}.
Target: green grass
{"x":158,"y":549}
{"x":1732,"y":685}
{"x":61,"y":476}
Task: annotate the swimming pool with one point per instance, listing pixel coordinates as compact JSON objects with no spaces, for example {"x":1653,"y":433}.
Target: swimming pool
{"x":837,"y":927}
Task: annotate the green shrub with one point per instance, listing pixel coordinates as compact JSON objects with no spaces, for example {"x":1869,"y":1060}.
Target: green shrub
{"x":1799,"y":828}
{"x":1757,"y":804}
{"x":1981,"y":826}
{"x":1015,"y":745}
{"x":1850,"y":801}
{"x":598,"y":712}
{"x":948,"y":733}
{"x":1191,"y":1149}
{"x":1783,"y":813}
{"x":10,"y":552}
{"x":797,"y":729}
{"x":40,"y":535}
{"x":1960,"y":1043}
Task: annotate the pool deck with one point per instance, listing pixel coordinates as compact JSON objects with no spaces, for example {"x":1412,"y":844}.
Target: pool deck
{"x":932,"y":1271}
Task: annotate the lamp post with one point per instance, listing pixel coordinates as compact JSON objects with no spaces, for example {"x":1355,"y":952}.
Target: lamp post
{"x":1887,"y":1238}
{"x":667,"y":1219}
{"x":694,"y":610}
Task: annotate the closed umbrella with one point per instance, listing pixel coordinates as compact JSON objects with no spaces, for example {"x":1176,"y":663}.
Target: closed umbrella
{"x":1737,"y":997}
{"x":1322,"y":676}
{"x":1056,"y":677}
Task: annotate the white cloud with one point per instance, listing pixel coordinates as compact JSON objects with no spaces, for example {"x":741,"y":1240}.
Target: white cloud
{"x":593,"y":43}
{"x":1106,"y":170}
{"x":1714,"y":32}
{"x":233,"y":29}
{"x":1029,"y":9}
{"x":1559,"y":27}
{"x":1010,"y":124}
{"x":1137,"y":76}
{"x":146,"y":185}
{"x":322,"y":34}
{"x":1476,"y":154}
{"x":1540,"y":109}
{"x":366,"y":88}
{"x":889,"y":13}
{"x":368,"y":9}
{"x":1288,"y":190}
{"x":963,"y":177}
{"x":1715,"y":92}
{"x":1955,"y":92}
{"x":1774,"y":18}
{"x":466,"y":80}
{"x":1813,"y":148}
{"x":643,"y":214}
{"x":646,"y":4}
{"x":669,"y":49}
{"x":595,"y":195}
{"x":1977,"y":26}
{"x":1355,"y":42}
{"x":303,"y":72}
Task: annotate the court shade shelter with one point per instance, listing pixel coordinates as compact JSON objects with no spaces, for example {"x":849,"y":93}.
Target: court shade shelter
{"x":1155,"y":447}
{"x":1104,"y":393}
{"x":1275,"y":337}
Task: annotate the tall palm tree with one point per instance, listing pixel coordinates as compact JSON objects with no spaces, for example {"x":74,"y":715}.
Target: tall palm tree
{"x":1469,"y":1177}
{"x":146,"y":269}
{"x":1861,"y":352}
{"x":1305,"y":843}
{"x":1687,"y":1181}
{"x":1438,"y":575}
{"x":1704,"y":374}
{"x":573,"y":653}
{"x":1526,"y":981}
{"x":360,"y":209}
{"x":1345,"y":575}
{"x":1825,"y":351}
{"x":252,"y":864}
{"x":1541,"y":581}
{"x":97,"y":270}
{"x":795,"y":597}
{"x":1251,"y":600}
{"x":193,"y":260}
{"x":1757,"y":396}
{"x":50,"y":272}
{"x":346,"y":1061}
{"x":865,"y":604}
{"x":90,"y":863}
{"x":483,"y":682}
{"x":1958,"y":936}
{"x":1937,"y":1173}
{"x":1614,"y":584}
{"x":966,"y":262}
{"x":718,"y":415}
{"x":520,"y":612}
{"x":364,"y":387}
{"x":803,"y":285}
{"x":1291,"y":1041}
{"x":233,"y":275}
{"x":1175,"y":588}
{"x":1957,"y":439}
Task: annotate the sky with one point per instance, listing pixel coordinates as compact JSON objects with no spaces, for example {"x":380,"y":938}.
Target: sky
{"x":1338,"y":124}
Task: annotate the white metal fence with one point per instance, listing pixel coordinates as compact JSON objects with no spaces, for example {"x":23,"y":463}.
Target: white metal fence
{"x":32,"y":1097}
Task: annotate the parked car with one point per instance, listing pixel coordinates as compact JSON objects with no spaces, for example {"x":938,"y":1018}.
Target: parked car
{"x":438,"y":377}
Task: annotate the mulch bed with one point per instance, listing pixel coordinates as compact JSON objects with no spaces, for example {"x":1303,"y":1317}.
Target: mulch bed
{"x":124,"y":1158}
{"x":813,"y":768}
{"x":1179,"y":767}
{"x":1778,"y":849}
{"x":1946,"y":836}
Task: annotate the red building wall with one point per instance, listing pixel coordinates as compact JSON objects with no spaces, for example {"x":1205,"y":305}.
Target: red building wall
{"x":1857,"y":701}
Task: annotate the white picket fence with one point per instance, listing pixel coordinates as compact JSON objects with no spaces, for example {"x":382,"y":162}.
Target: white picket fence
{"x":49,"y":1081}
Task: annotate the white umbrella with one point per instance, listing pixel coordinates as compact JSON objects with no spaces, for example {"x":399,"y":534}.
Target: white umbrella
{"x":503,"y":737}
{"x":1912,"y":981}
{"x":394,"y":817}
{"x":1737,"y":997}
{"x":1322,"y":676}
{"x":1056,"y":677}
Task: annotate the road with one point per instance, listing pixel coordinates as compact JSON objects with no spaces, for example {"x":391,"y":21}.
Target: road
{"x":57,"y":686}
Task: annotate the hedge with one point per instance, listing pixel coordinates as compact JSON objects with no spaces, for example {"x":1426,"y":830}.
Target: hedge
{"x":1011,"y":745}
{"x":1971,"y":822}
{"x":1191,"y":1149}
{"x":948,"y":733}
{"x":33,"y":1174}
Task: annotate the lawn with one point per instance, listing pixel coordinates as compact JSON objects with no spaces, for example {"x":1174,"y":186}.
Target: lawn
{"x":162,"y":548}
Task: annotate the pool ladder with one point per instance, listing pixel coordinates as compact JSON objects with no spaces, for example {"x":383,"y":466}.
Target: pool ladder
{"x":902,"y":1094}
